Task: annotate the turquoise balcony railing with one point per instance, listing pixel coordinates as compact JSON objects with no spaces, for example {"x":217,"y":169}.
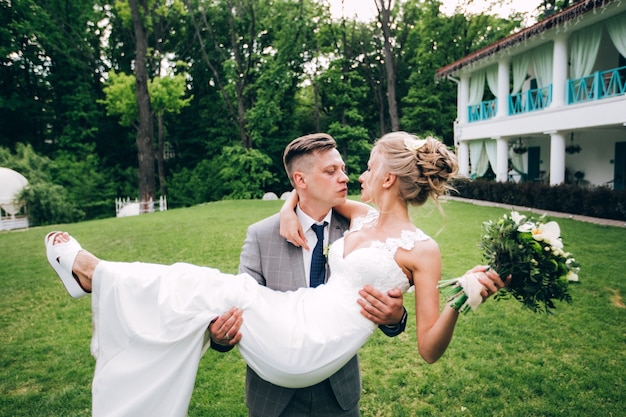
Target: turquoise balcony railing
{"x":599,"y":85}
{"x":482,"y":111}
{"x":530,"y":100}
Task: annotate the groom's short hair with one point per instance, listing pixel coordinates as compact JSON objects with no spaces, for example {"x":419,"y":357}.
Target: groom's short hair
{"x":305,"y":146}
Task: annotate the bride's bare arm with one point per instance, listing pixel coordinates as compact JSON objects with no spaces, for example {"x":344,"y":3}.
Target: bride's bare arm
{"x":435,"y":329}
{"x":352,"y":209}
{"x":291,"y":229}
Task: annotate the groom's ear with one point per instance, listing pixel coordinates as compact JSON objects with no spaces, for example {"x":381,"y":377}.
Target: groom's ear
{"x":298,"y":180}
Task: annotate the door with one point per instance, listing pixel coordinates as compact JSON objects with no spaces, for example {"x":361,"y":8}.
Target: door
{"x":619,"y":175}
{"x":534,"y":163}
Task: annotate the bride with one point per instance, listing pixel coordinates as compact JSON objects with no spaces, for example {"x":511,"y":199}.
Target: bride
{"x":150,"y":321}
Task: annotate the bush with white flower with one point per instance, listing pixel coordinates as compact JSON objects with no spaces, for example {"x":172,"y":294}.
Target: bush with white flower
{"x":531,"y":251}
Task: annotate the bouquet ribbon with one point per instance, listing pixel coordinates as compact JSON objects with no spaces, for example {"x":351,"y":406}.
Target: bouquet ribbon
{"x":462,"y":293}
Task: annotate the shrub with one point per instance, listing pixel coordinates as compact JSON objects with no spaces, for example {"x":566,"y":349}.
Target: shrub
{"x":600,"y":202}
{"x":48,"y":203}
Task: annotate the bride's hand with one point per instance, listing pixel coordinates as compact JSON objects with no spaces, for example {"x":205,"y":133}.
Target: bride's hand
{"x":490,"y":280}
{"x":291,"y":229}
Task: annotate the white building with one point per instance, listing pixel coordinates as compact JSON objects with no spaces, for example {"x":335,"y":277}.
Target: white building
{"x":548,"y":101}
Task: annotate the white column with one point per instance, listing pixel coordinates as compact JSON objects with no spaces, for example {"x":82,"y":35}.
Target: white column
{"x":503,"y":88}
{"x":463,"y":158}
{"x":559,"y":71}
{"x":463,"y":98}
{"x":502,"y":157}
{"x":557,"y":158}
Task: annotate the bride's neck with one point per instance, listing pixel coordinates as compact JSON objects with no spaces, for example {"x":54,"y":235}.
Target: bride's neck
{"x":393,"y":218}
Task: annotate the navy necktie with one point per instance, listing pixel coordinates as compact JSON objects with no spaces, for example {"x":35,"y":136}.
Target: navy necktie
{"x":318,"y":260}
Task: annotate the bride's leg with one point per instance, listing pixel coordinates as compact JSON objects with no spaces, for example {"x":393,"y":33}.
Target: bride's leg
{"x":149,"y":326}
{"x":147,"y":341}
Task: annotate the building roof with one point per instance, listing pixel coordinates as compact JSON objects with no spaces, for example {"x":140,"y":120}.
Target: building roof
{"x":563,"y":18}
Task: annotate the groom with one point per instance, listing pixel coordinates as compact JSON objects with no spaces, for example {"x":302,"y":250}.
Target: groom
{"x":317,"y":173}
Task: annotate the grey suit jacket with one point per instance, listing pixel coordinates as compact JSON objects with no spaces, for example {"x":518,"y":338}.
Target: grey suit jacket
{"x":278,"y":265}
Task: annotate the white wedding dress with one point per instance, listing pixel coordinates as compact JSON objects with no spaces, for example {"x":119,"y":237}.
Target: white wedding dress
{"x":150,"y":325}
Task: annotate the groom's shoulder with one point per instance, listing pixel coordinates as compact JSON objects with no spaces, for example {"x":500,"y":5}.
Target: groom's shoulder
{"x":273,"y":223}
{"x":342,"y":221}
{"x":268,"y":223}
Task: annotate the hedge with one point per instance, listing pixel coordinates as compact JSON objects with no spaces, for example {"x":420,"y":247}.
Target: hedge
{"x":591,"y":201}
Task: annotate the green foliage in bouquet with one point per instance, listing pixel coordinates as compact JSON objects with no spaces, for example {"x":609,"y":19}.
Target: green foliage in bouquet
{"x":531,"y":251}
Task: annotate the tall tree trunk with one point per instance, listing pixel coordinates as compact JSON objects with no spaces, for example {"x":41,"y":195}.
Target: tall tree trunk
{"x":318,"y":124}
{"x":145,"y":130}
{"x":242,"y":66}
{"x":384,"y":13}
{"x":159,"y":155}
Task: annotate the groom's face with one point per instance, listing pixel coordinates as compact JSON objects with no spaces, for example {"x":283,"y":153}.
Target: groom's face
{"x":325,"y":179}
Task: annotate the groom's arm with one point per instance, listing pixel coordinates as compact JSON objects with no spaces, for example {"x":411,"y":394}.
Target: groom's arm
{"x":250,"y":257}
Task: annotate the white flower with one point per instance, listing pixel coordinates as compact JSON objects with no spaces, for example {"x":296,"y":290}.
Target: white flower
{"x":549,"y":233}
{"x":572,"y":276}
{"x":526,"y":227}
{"x":517,"y":218}
{"x":414,"y":144}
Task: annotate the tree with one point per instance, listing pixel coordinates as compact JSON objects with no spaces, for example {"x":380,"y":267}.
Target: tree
{"x":151,"y":22}
{"x":433,"y":41}
{"x":139,"y":11}
{"x":167,"y":96}
{"x":552,"y":7}
{"x":385,"y":20}
{"x":50,"y":75}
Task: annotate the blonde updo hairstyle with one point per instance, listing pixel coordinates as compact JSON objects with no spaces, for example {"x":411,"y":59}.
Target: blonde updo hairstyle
{"x":423,"y":167}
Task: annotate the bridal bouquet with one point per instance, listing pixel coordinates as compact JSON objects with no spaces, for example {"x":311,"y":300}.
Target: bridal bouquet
{"x":531,"y":251}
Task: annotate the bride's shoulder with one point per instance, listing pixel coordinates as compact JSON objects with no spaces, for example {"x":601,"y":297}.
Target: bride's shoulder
{"x":409,"y":238}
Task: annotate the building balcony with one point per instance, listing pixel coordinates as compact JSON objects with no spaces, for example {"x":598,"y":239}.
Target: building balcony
{"x":597,"y":86}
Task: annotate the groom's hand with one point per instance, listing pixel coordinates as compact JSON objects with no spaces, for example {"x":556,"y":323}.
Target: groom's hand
{"x":382,"y":309}
{"x":224,"y":330}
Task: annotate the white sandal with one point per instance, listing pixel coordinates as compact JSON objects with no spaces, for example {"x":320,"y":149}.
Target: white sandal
{"x":61,"y":257}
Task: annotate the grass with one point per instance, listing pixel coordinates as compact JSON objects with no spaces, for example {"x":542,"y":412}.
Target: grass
{"x":503,"y":361}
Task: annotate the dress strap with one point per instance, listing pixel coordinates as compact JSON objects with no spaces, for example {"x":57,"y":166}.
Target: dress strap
{"x":406,"y":240}
{"x":359,"y":222}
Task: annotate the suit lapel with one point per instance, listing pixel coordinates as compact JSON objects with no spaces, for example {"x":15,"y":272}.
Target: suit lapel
{"x":297,"y":266}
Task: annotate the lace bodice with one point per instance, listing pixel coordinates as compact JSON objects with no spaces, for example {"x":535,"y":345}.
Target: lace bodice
{"x":375,"y":264}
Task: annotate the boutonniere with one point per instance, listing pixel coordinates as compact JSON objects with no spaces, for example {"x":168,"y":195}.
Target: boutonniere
{"x":325,"y":250}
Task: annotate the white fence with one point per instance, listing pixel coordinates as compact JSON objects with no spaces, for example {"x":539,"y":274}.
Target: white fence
{"x":12,"y":222}
{"x":127,"y":207}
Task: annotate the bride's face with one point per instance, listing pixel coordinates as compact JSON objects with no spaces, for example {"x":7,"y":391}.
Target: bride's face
{"x":372,"y":179}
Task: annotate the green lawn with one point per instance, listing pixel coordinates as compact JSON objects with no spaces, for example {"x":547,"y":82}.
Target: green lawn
{"x":503,"y":361}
